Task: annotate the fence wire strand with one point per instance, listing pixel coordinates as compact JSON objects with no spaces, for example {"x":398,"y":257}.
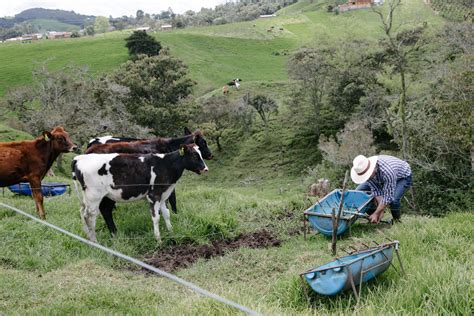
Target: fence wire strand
{"x":160,"y":272}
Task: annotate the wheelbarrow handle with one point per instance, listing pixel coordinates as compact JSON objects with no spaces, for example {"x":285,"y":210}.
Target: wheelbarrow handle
{"x":366,"y":216}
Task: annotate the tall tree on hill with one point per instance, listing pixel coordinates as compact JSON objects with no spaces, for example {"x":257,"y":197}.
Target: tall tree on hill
{"x":157,"y":86}
{"x":140,"y":15}
{"x":314,"y":70}
{"x":401,"y":53}
{"x":264,"y":105}
{"x":101,"y":24}
{"x":217,"y":117}
{"x":142,"y":43}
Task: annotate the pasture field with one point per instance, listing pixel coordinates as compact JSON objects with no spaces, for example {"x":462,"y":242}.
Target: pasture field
{"x":256,"y":184}
{"x":214,"y":54}
{"x":45,"y":272}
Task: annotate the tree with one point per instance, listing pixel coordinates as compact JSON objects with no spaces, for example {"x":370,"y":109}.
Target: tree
{"x":265,"y":107}
{"x":157,"y":86}
{"x":142,"y":43}
{"x":314,"y":70}
{"x":90,"y":30}
{"x":140,"y":15}
{"x":74,"y":98}
{"x":101,"y":24}
{"x":216,"y":113}
{"x":400,"y":48}
{"x":353,"y":140}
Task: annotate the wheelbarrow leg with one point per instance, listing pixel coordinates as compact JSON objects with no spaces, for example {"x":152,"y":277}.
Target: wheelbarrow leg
{"x":399,"y":260}
{"x":304,"y":226}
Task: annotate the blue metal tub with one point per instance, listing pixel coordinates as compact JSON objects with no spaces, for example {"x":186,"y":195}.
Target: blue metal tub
{"x":48,"y":189}
{"x":347,"y":272}
{"x":356,"y":204}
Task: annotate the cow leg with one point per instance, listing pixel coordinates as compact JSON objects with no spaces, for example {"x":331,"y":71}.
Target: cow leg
{"x":155,"y":216}
{"x":166,"y":215}
{"x":38,"y":197}
{"x":106,"y":208}
{"x":89,"y":218}
{"x":172,"y":200}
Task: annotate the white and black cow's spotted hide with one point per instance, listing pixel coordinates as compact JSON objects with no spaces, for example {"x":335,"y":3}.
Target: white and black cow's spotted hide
{"x":130,"y":177}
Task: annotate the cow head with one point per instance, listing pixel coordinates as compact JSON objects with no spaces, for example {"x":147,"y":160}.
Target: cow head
{"x":202,"y":144}
{"x":59,"y":139}
{"x":192,"y":158}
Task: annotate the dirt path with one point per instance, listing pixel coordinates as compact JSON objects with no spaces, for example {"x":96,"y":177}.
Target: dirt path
{"x":179,"y":257}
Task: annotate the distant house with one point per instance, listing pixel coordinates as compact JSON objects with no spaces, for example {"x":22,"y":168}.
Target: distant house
{"x":143,"y":28}
{"x":265,"y":16}
{"x":56,"y":35}
{"x":166,"y":27}
{"x":34,"y":36}
{"x":355,"y":5}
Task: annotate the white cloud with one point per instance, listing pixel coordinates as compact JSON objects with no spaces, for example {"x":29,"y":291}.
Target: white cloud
{"x":115,"y":8}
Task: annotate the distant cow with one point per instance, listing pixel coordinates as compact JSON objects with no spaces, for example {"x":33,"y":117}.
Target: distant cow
{"x":155,"y":145}
{"x":130,"y":177}
{"x":319,"y":189}
{"x":235,"y":82}
{"x":29,"y":161}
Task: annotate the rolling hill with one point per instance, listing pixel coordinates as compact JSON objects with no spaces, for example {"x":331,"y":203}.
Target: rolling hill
{"x":248,"y":49}
{"x":255,"y":184}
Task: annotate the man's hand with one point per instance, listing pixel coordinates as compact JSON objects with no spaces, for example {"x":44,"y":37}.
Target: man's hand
{"x":378,"y":214}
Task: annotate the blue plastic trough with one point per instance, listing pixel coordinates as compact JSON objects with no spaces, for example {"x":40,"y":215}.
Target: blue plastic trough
{"x":347,"y":272}
{"x":48,"y":189}
{"x":356,"y":204}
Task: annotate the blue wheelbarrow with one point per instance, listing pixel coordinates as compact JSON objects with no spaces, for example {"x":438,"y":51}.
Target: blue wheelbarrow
{"x":347,"y":272}
{"x":356,"y":204}
{"x":47,"y":189}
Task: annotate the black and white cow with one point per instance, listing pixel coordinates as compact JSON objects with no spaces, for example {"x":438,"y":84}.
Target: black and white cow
{"x":130,"y":177}
{"x":145,"y":146}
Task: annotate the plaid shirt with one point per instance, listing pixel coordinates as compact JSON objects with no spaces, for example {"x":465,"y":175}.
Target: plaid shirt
{"x":389,"y":171}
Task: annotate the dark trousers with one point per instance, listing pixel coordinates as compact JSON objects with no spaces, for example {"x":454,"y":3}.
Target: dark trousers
{"x":400,"y":188}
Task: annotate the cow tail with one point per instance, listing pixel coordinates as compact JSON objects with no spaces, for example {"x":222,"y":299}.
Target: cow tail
{"x":75,"y":179}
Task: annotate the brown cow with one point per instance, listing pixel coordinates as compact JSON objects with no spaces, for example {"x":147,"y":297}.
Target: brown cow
{"x":29,"y":161}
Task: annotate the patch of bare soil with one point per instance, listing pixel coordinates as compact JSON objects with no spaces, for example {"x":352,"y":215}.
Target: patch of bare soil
{"x":179,"y":257}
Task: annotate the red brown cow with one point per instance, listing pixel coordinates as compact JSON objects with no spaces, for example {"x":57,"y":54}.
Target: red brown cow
{"x":29,"y":161}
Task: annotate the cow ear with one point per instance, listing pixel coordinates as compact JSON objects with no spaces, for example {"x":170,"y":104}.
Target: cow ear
{"x":187,"y":131}
{"x":197,"y":137}
{"x":47,"y":136}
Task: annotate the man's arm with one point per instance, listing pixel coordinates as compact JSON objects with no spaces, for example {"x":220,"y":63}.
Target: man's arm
{"x":378,"y":214}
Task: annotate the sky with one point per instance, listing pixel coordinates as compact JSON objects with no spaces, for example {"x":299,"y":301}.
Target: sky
{"x":115,"y":8}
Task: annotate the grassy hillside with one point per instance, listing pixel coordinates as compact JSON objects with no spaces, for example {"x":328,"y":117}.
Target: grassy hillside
{"x":214,"y":54}
{"x":44,"y":25}
{"x":8,"y":134}
{"x":255,"y":184}
{"x":64,"y":276}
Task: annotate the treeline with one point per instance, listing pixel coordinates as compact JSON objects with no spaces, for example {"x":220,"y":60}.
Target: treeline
{"x":244,"y":10}
{"x":69,"y":17}
{"x":19,"y":24}
{"x":230,"y":12}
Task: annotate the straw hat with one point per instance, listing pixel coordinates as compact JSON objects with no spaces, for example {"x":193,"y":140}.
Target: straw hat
{"x":362,"y":168}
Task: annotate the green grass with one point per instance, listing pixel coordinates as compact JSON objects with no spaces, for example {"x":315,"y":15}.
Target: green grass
{"x":8,"y":134}
{"x":44,"y":25}
{"x":63,"y":276}
{"x":247,"y":189}
{"x":214,"y":54}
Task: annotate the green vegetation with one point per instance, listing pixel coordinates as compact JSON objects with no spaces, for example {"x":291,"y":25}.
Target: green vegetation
{"x":348,"y":89}
{"x":246,"y":51}
{"x":8,"y":134}
{"x":66,"y":276}
{"x":43,"y":25}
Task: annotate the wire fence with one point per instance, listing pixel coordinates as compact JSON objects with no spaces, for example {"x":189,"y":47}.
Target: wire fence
{"x":146,"y":266}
